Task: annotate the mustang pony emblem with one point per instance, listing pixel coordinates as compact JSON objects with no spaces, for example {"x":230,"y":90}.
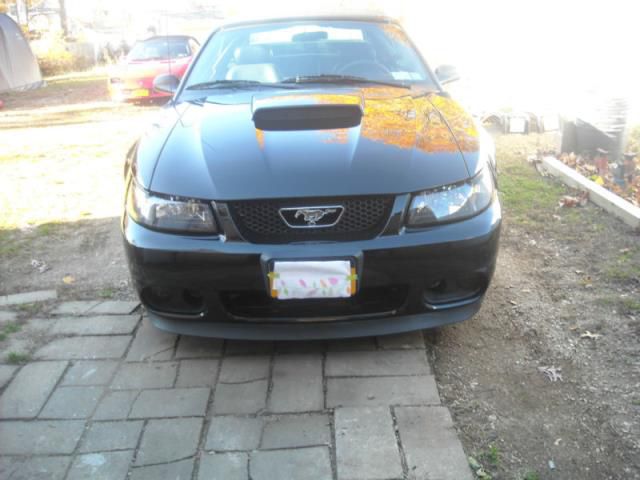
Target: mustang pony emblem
{"x":314,"y":215}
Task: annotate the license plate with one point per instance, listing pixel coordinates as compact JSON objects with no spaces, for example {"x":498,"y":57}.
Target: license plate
{"x":141,"y":92}
{"x":313,"y":279}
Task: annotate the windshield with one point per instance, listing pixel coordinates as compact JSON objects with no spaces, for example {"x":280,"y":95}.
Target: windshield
{"x":159,"y":49}
{"x":286,"y":51}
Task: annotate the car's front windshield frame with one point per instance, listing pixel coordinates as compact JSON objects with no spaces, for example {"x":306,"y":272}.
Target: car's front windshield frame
{"x":194,"y":74}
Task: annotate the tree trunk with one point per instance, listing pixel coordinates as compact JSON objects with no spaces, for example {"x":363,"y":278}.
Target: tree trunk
{"x":64,"y":22}
{"x":19,"y":12}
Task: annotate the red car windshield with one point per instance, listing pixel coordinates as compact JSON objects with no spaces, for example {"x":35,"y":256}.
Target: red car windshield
{"x":159,"y":49}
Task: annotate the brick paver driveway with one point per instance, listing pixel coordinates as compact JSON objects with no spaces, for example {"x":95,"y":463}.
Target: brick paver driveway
{"x":108,"y":396}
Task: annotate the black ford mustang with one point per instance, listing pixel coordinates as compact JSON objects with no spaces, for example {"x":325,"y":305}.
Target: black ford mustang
{"x":310,"y":179}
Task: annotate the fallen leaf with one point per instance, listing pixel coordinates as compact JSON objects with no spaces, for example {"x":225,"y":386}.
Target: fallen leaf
{"x":480,"y":473}
{"x":552,"y":373}
{"x":474,"y":464}
{"x":590,"y":336}
{"x":68,"y":279}
{"x":542,"y":170}
{"x":570,"y":201}
{"x":40,"y":265}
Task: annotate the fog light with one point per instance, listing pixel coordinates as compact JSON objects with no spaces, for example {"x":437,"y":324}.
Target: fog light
{"x":180,"y":301}
{"x":454,"y":289}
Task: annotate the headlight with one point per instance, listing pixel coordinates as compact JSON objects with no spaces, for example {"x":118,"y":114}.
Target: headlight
{"x":170,"y":213}
{"x":452,"y":202}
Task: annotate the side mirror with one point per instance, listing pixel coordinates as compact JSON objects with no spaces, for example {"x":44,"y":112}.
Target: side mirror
{"x":447,"y":74}
{"x":166,"y":83}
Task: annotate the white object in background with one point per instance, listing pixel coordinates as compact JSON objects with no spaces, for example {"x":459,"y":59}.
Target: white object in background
{"x":517,"y":125}
{"x":550,"y":123}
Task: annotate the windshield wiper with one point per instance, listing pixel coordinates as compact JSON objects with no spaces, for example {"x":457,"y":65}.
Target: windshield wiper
{"x":234,"y":84}
{"x":342,"y":79}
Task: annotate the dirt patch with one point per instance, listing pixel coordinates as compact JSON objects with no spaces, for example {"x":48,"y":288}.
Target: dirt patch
{"x":565,"y":301}
{"x":61,"y":164}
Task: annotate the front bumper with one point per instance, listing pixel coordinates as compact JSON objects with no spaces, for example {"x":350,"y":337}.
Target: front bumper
{"x":409,"y":280}
{"x":134,"y":89}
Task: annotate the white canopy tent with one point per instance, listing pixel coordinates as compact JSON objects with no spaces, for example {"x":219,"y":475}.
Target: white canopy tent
{"x":19,"y":69}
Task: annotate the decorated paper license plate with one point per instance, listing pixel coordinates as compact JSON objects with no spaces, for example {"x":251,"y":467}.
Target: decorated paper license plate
{"x":313,"y":279}
{"x":141,"y":92}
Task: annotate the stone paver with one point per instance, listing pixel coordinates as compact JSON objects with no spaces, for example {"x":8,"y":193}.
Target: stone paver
{"x":198,"y":347}
{"x":296,"y":464}
{"x":7,"y":316}
{"x":90,"y":372}
{"x":40,"y":437}
{"x":352,"y":344}
{"x":116,"y":405}
{"x":240,"y":398}
{"x":114,"y":397}
{"x":233,"y":433}
{"x":248,"y":347}
{"x":378,"y":363}
{"x":151,"y":343}
{"x":84,"y":348}
{"x":292,"y":347}
{"x":176,"y":402}
{"x":405,"y":341}
{"x":29,"y":390}
{"x":114,"y":307}
{"x":34,"y":468}
{"x":28,"y":297}
{"x":197,"y":373}
{"x":78,"y":307}
{"x":366,"y":446}
{"x":6,"y":372}
{"x":430,"y":444}
{"x":297,"y":384}
{"x":101,"y":466}
{"x":381,"y":391}
{"x":145,"y":375}
{"x":243,"y":369}
{"x":101,"y":325}
{"x":290,"y":431}
{"x":106,"y":436}
{"x":72,"y":402}
{"x":224,"y":466}
{"x":169,"y":440}
{"x":181,"y":470}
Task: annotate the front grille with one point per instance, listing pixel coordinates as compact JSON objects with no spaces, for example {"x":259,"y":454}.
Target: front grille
{"x":259,"y":221}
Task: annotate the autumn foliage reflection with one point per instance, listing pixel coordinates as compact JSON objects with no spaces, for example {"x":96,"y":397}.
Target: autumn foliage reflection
{"x":393,"y":117}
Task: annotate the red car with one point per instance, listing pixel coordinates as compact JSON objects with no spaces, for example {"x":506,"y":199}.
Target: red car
{"x":133,"y":77}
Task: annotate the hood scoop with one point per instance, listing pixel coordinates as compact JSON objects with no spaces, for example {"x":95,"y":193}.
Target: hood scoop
{"x":307,"y":111}
{"x":307,"y":117}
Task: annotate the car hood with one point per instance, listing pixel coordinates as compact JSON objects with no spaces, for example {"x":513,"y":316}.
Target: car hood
{"x":147,"y":68}
{"x":306,"y":143}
